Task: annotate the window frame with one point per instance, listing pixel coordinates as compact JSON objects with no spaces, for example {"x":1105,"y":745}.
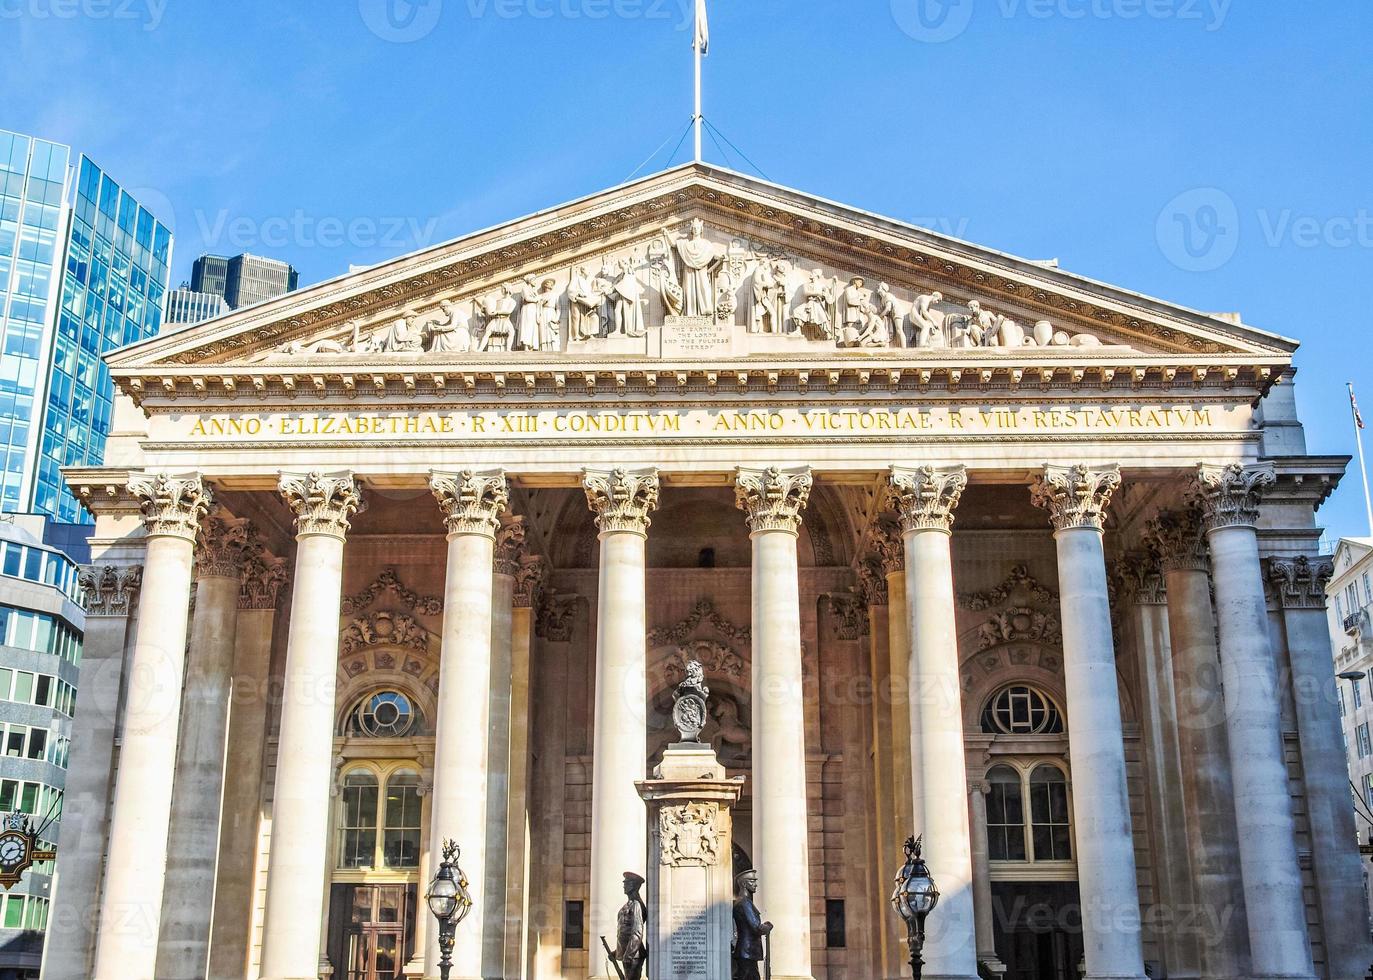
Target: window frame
{"x":381,"y":827}
{"x":1033,"y":867}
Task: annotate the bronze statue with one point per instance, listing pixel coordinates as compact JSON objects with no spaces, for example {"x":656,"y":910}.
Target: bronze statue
{"x":750,"y":931}
{"x":631,"y":944}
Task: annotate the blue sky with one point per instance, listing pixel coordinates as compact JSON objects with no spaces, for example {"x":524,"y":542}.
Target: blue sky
{"x":1215,"y":153}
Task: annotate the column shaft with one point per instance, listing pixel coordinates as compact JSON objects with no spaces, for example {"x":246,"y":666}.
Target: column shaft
{"x":884,"y":802}
{"x":774,"y":500}
{"x":1208,"y":791}
{"x":110,"y":593}
{"x":517,"y":924}
{"x":301,"y":802}
{"x":131,"y":906}
{"x":1077,"y":498}
{"x":498,"y":778}
{"x":193,"y":840}
{"x":1263,"y":800}
{"x":622,"y":503}
{"x":983,"y":913}
{"x":904,"y":773}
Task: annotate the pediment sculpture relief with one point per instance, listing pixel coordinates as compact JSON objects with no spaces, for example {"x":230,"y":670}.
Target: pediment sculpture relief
{"x":690,"y":276}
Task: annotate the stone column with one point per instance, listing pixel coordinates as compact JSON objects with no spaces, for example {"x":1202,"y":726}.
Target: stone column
{"x":983,"y":912}
{"x":529,"y":579}
{"x":773,"y":499}
{"x":509,"y":548}
{"x":296,"y":867}
{"x":1207,"y":788}
{"x":1299,"y":584}
{"x":110,"y":592}
{"x":1278,"y":942}
{"x":260,"y":584}
{"x":622,"y":502}
{"x":1076,"y":498}
{"x":925,"y":500}
{"x":472,"y":505}
{"x":193,"y":839}
{"x":884,"y":538}
{"x":131,"y":906}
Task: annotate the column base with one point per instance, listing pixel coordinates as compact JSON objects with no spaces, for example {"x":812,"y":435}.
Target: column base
{"x":992,"y":965}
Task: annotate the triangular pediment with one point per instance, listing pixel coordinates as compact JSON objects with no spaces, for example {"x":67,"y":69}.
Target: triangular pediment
{"x":698,"y":263}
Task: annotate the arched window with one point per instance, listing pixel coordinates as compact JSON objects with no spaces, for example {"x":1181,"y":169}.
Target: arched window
{"x":383,"y":714}
{"x":1021,"y":710}
{"x":401,"y":843}
{"x":1049,"y":814}
{"x":1005,"y":815}
{"x":358,"y":824}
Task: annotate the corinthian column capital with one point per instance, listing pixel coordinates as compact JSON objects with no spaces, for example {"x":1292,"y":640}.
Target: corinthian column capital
{"x":1299,"y":583}
{"x":109,"y":590}
{"x":511,"y":546}
{"x":323,"y":503}
{"x":1176,"y":537}
{"x":220,"y":548}
{"x":1076,"y":496}
{"x":882,"y":540}
{"x":621,"y":500}
{"x":472,"y":502}
{"x":1229,"y":495}
{"x":773,"y":499}
{"x":925,"y":497}
{"x":172,"y":506}
{"x":261,"y":579}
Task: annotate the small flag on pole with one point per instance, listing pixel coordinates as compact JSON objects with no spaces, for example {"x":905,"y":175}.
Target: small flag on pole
{"x":702,"y":42}
{"x":1353,"y":403}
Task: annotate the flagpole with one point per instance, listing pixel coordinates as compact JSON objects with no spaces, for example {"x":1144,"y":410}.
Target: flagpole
{"x":1363,"y":468}
{"x":696,"y":47}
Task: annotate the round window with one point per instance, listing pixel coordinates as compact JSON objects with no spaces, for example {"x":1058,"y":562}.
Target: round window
{"x":1021,"y":710}
{"x":387,"y":714}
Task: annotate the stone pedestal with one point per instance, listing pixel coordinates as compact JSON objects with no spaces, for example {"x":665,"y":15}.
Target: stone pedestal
{"x":690,"y":874}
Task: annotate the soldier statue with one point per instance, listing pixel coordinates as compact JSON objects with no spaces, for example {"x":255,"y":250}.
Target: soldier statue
{"x":631,"y":946}
{"x":749,"y":928}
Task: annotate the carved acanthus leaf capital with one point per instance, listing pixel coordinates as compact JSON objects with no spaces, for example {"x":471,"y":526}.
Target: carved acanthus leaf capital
{"x":221,"y":547}
{"x":1229,"y":495}
{"x":850,"y":613}
{"x":773,"y":499}
{"x":555,"y":617}
{"x":1076,"y":496}
{"x":1176,"y":537}
{"x":529,"y":581}
{"x":925,"y":497}
{"x":1299,"y":583}
{"x":872,"y":582}
{"x":109,"y":590}
{"x":323,"y":503}
{"x":1138,"y":578}
{"x":172,"y":506}
{"x":882,"y":540}
{"x":261,"y":578}
{"x":621,"y":500}
{"x":511,"y":546}
{"x":472,"y":502}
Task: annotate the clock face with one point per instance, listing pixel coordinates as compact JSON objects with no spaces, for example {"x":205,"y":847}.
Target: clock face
{"x":12,"y":850}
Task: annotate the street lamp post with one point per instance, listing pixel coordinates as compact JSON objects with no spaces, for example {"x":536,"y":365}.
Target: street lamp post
{"x":915,"y":897}
{"x":450,"y":901}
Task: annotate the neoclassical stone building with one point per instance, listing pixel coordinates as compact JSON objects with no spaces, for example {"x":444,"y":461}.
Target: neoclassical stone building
{"x":968,"y":546}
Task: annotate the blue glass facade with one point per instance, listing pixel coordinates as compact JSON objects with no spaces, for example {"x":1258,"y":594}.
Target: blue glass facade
{"x":113,"y":288}
{"x":33,"y":180}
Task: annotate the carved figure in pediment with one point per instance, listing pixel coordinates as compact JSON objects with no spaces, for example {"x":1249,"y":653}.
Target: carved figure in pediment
{"x":400,"y":336}
{"x":700,"y":257}
{"x":451,"y":330}
{"x":664,"y":273}
{"x":862,"y":325}
{"x":499,"y":332}
{"x":890,"y":315}
{"x":927,"y":323}
{"x":770,"y":296}
{"x":726,"y":295}
{"x":539,"y":316}
{"x":586,"y":302}
{"x":627,"y":301}
{"x":297,"y":348}
{"x":981,"y":325}
{"x":819,"y":297}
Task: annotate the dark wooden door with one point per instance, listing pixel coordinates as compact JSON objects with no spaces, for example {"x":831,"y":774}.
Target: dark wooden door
{"x":371,"y":929}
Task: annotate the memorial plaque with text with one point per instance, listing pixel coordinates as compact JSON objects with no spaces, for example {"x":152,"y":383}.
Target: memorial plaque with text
{"x":690,"y":947}
{"x":697,"y":336}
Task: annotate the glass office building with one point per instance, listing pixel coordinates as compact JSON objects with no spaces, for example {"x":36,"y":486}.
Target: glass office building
{"x":186,"y":306}
{"x":243,"y":279}
{"x":113,"y":287}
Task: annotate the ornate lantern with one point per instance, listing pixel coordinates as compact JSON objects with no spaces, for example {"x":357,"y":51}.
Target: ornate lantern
{"x":915,"y":897}
{"x":450,"y":901}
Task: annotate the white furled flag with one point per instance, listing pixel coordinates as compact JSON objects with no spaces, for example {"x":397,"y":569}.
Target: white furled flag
{"x":1358,"y":419}
{"x":702,"y":42}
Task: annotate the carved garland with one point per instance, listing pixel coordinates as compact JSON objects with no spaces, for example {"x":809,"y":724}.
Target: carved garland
{"x":704,"y":612}
{"x":1019,"y":579}
{"x":389,"y":582}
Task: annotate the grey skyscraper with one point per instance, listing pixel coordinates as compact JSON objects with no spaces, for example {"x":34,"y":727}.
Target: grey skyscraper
{"x":185,"y":306}
{"x":243,"y":279}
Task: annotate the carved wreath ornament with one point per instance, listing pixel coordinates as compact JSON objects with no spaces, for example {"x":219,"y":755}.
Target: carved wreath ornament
{"x":689,"y":835}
